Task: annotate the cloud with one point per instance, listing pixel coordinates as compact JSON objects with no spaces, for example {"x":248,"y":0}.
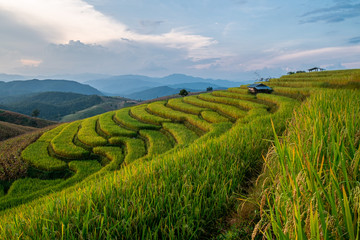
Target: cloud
{"x":337,"y":13}
{"x":321,"y":56}
{"x":60,"y":21}
{"x":354,"y":40}
{"x":30,"y":62}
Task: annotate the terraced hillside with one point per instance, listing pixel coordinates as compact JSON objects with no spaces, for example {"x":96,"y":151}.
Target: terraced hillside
{"x":167,"y":169}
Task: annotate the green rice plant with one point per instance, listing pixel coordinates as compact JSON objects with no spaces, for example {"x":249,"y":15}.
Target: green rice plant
{"x":110,"y":128}
{"x":140,"y":113}
{"x":238,"y":90}
{"x":29,"y":185}
{"x":37,"y":155}
{"x":114,"y":154}
{"x":2,"y":191}
{"x":49,"y":135}
{"x":87,"y":133}
{"x":237,"y":95}
{"x":63,"y":144}
{"x":180,"y":132}
{"x":296,"y":84}
{"x":145,"y":199}
{"x":213,"y":117}
{"x":247,"y":105}
{"x":135,"y":148}
{"x":227,"y":110}
{"x":157,"y":142}
{"x":178,"y":104}
{"x":312,"y":174}
{"x":122,"y":116}
{"x":160,"y":109}
{"x":82,"y":170}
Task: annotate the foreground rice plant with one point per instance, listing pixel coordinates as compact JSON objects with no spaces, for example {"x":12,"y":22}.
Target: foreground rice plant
{"x":311,"y":184}
{"x":177,"y":195}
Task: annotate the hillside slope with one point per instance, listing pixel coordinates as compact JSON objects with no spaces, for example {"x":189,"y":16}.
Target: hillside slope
{"x":175,"y":169}
{"x":16,"y":88}
{"x":24,"y":120}
{"x":9,"y":130}
{"x":55,"y":105}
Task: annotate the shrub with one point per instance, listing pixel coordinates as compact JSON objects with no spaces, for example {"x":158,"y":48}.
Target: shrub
{"x":183,"y":92}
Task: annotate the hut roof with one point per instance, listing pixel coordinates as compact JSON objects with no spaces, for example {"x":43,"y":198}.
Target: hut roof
{"x":259,"y":86}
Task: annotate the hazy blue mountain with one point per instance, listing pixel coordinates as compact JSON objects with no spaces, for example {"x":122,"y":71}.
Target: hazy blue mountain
{"x":125,"y":85}
{"x":15,"y":88}
{"x":52,"y":105}
{"x":199,"y":86}
{"x":10,"y":77}
{"x":157,"y":92}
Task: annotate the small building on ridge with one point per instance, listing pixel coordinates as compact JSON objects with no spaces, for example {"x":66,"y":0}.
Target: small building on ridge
{"x":259,"y":88}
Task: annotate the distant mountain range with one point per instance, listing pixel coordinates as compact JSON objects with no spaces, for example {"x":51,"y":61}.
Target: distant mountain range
{"x":132,"y":86}
{"x":16,"y":88}
{"x":56,"y":105}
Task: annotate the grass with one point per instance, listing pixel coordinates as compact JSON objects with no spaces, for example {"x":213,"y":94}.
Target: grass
{"x":37,"y":155}
{"x":178,"y":104}
{"x":157,"y":142}
{"x":114,"y":154}
{"x":82,"y":170}
{"x":64,"y":146}
{"x":227,"y":110}
{"x":87,"y":133}
{"x":180,"y":132}
{"x":142,"y":114}
{"x":241,"y":95}
{"x":122,"y":116}
{"x":160,"y":109}
{"x":110,"y":128}
{"x":176,"y":196}
{"x":244,"y":104}
{"x":135,"y":148}
{"x":213,"y":117}
{"x":312,"y":189}
{"x":309,"y":188}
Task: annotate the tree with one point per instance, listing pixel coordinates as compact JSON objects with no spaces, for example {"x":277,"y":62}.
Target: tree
{"x":183,"y":92}
{"x":209,"y":89}
{"x":35,"y":113}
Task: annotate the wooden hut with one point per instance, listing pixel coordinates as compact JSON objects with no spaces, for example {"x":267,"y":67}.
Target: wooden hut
{"x":259,"y":88}
{"x":316,"y":69}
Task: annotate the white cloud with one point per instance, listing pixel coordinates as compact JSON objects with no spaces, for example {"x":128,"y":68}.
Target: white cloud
{"x":321,"y":56}
{"x":30,"y":62}
{"x":60,"y":21}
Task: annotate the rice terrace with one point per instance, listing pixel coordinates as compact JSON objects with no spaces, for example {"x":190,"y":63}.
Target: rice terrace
{"x":225,"y":164}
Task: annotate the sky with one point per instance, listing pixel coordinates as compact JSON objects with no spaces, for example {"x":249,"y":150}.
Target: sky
{"x":221,"y":39}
